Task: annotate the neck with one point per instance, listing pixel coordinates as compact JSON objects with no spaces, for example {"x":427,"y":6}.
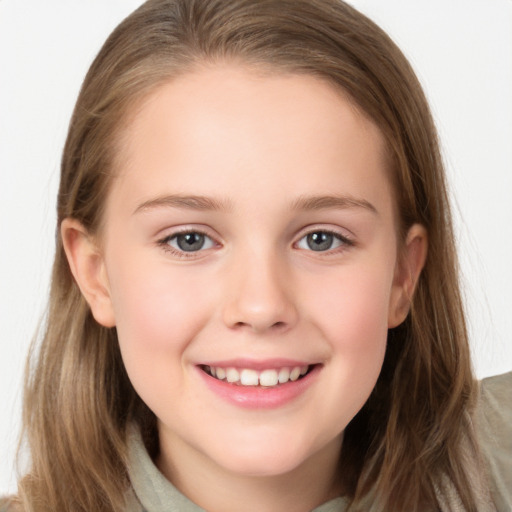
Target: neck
{"x":217,"y":489}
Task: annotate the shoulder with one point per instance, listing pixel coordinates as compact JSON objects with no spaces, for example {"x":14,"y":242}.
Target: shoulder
{"x":494,"y":423}
{"x":7,"y":505}
{"x":497,"y":387}
{"x":495,"y":410}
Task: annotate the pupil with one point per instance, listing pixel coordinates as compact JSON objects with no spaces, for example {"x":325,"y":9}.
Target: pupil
{"x":190,"y":241}
{"x":320,"y":241}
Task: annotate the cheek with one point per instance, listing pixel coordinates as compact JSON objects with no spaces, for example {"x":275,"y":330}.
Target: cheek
{"x":150,"y":309}
{"x":353,"y":307}
{"x":158,"y":312}
{"x":352,"y":315}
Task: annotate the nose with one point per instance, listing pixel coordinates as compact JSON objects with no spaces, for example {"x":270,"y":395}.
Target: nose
{"x":259,"y":295}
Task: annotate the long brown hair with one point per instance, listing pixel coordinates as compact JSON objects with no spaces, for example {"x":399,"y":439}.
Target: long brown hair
{"x":78,"y":400}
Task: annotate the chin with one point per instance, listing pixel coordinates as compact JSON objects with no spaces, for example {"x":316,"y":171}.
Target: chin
{"x":266,"y":459}
{"x":263,"y":467}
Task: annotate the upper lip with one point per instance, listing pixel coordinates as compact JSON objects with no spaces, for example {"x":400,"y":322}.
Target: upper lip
{"x":258,"y":365}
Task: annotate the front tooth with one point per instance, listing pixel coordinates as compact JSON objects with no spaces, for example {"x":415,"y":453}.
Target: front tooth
{"x":284,"y":375}
{"x":248,"y":377}
{"x":268,"y":378}
{"x":304,"y":370}
{"x":295,"y":373}
{"x":220,"y":373}
{"x":212,"y":371}
{"x":232,"y":375}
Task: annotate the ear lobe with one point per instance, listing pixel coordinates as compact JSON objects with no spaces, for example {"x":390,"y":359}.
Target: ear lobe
{"x":411,"y":262}
{"x":88,"y":269}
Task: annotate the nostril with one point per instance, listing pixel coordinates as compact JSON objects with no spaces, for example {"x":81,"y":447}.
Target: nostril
{"x":275,"y":326}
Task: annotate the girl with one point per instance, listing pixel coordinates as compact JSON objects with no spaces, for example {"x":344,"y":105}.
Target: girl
{"x":254,"y":302}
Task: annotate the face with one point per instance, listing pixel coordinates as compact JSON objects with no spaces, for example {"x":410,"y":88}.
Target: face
{"x":249,"y":257}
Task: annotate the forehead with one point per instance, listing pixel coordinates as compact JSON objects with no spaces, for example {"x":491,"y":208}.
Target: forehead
{"x":224,"y":125}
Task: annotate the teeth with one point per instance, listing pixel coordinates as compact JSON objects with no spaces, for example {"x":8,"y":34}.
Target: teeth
{"x":284,"y":375}
{"x":295,"y":374}
{"x":232,"y":375}
{"x":249,"y":377}
{"x":268,"y":378}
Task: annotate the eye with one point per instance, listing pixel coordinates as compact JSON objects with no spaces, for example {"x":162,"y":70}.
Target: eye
{"x":321,"y":241}
{"x":190,"y":241}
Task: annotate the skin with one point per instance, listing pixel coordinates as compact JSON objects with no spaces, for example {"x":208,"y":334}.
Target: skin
{"x":255,"y":145}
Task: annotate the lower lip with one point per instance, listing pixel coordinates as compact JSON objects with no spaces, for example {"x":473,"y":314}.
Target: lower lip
{"x":260,"y":397}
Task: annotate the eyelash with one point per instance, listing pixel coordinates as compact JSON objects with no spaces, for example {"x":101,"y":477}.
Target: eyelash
{"x":344,"y":241}
{"x":164,"y":243}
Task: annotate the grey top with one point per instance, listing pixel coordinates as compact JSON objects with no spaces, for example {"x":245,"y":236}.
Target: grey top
{"x":154,"y":493}
{"x":495,"y":432}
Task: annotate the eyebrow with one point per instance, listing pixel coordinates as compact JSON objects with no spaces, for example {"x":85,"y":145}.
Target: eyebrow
{"x":187,"y":202}
{"x":204,"y":203}
{"x":332,"y":202}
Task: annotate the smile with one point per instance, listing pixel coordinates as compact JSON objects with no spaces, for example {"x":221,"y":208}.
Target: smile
{"x":248,"y":377}
{"x":259,"y":385}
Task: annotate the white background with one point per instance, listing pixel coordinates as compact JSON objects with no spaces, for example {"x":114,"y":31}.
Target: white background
{"x":462,"y":52}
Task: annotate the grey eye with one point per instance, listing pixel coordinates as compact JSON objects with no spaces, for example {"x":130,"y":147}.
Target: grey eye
{"x":190,"y":242}
{"x":320,"y":241}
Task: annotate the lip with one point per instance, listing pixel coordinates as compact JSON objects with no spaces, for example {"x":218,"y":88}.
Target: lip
{"x":258,"y":397}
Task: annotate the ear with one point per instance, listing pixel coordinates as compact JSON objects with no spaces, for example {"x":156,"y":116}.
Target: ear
{"x":88,"y":268}
{"x":410,"y":263}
